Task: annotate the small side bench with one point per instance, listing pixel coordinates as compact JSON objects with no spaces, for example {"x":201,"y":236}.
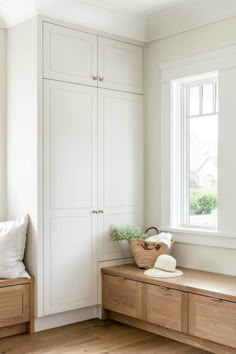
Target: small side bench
{"x":16,"y":306}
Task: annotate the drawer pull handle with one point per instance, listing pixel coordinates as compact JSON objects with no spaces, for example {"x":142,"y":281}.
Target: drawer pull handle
{"x":215,"y":299}
{"x":164,"y":288}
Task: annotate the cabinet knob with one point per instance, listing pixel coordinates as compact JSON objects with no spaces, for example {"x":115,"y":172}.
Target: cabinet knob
{"x":94,"y":212}
{"x":94,"y":77}
{"x":101,"y":78}
{"x":100,"y":211}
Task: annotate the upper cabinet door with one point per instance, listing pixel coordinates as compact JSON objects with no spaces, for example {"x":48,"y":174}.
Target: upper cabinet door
{"x":120,"y":66}
{"x":70,"y":55}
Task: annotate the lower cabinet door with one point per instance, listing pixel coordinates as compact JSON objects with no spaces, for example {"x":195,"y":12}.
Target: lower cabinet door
{"x":166,"y":307}
{"x":120,"y":146}
{"x":70,"y":196}
{"x":14,"y":305}
{"x":212,"y":319}
{"x":122,"y":296}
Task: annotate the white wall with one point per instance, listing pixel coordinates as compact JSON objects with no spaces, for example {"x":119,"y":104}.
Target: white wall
{"x":193,"y":42}
{"x":2,"y":128}
{"x":21,"y":106}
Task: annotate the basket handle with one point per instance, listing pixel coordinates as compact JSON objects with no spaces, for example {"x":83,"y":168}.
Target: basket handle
{"x":152,"y":228}
{"x":148,"y":246}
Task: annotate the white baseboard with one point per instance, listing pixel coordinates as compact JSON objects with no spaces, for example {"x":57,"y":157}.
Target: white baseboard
{"x":65,"y":318}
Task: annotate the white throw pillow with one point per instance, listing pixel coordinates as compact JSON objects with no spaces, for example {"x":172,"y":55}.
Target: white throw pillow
{"x":12,"y":247}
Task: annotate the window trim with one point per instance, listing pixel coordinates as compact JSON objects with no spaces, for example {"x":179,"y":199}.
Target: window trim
{"x":219,"y":60}
{"x":204,"y":237}
{"x":180,"y":127}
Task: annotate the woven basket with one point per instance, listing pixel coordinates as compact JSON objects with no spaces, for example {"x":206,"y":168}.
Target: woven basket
{"x":146,"y":253}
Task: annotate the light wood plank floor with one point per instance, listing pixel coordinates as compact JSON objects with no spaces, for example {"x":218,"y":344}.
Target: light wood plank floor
{"x":94,"y":337}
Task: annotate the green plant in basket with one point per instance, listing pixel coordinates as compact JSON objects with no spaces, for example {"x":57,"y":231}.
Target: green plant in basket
{"x":126,"y":233}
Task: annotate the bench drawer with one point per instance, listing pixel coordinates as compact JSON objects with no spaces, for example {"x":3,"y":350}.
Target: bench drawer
{"x":212,"y":319}
{"x":122,"y":295}
{"x":166,"y":307}
{"x":14,"y":304}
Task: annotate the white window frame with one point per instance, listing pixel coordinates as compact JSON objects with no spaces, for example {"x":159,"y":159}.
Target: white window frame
{"x":223,"y":61}
{"x":180,"y":216}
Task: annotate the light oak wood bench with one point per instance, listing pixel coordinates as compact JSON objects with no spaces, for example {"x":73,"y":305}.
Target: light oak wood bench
{"x":16,"y":306}
{"x":198,"y":308}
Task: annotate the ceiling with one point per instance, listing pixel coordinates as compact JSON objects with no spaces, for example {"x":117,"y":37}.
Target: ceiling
{"x":139,"y":7}
{"x":143,"y":20}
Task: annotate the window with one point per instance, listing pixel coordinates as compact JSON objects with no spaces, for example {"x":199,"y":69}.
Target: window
{"x":194,"y":176}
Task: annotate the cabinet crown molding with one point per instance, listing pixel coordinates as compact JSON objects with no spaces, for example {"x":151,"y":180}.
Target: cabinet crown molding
{"x":149,"y":22}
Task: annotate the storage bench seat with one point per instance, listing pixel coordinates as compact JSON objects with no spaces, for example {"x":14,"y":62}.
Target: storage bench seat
{"x":198,"y":308}
{"x":16,"y":306}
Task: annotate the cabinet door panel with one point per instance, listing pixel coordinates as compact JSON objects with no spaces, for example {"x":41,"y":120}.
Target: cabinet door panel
{"x":69,"y":55}
{"x":120,"y":127}
{"x":14,"y":305}
{"x":70,"y":147}
{"x":166,"y":307}
{"x":70,"y":260}
{"x":121,"y":159}
{"x":212,"y":319}
{"x":120,"y":65}
{"x":111,"y":248}
{"x":70,"y":194}
{"x":122,"y":295}
{"x":109,"y":264}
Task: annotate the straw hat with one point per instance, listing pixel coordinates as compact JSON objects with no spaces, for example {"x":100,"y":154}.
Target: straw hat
{"x":165,"y":267}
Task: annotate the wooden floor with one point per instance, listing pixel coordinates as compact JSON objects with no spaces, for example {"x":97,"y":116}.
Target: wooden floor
{"x":93,"y":337}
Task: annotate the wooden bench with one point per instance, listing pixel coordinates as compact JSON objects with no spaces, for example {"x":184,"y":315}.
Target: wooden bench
{"x":198,"y":308}
{"x":16,"y":306}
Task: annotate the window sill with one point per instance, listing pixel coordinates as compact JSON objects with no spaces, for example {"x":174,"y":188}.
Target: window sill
{"x":206,"y":237}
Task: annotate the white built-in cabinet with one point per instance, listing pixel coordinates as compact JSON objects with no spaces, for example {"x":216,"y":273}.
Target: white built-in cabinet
{"x":93,"y":143}
{"x":87,"y":59}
